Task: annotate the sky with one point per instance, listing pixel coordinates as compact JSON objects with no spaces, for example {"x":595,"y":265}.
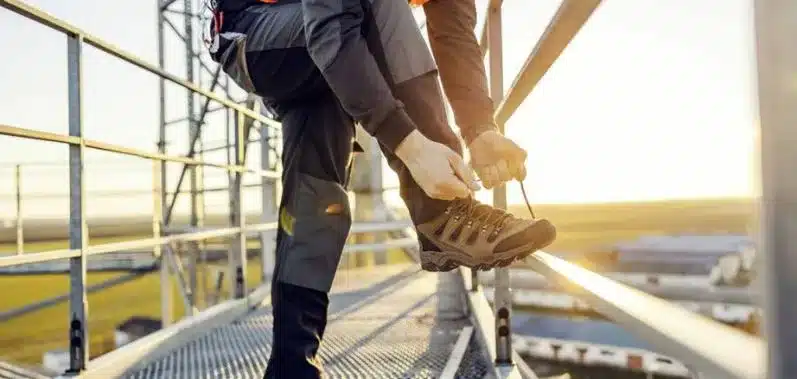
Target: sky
{"x":653,"y":99}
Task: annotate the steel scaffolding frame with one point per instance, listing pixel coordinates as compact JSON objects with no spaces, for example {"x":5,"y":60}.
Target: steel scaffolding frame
{"x":236,"y":141}
{"x":79,"y":250}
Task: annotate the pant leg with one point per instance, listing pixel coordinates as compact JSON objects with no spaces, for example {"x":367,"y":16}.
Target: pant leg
{"x":406,"y":61}
{"x":423,"y":101}
{"x":314,"y":220}
{"x":300,"y":317}
{"x":315,"y":217}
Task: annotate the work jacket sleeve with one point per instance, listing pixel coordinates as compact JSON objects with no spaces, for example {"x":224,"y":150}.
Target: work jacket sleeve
{"x":339,"y":49}
{"x":450,"y":25}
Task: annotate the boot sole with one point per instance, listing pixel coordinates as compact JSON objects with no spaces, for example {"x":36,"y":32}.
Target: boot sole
{"x":437,"y":261}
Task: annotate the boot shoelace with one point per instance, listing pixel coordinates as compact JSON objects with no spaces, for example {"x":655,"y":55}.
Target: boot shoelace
{"x":480,"y":214}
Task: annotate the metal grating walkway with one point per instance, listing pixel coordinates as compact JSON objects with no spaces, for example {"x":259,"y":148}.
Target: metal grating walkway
{"x":381,"y":325}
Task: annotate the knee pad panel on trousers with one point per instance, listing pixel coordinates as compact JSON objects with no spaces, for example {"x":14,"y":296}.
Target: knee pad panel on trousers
{"x":316,"y":227}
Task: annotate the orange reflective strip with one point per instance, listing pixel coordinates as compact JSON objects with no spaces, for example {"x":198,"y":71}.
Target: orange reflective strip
{"x":418,"y":3}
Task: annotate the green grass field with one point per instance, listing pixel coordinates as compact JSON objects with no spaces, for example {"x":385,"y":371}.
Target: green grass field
{"x":47,"y":329}
{"x":580,"y":228}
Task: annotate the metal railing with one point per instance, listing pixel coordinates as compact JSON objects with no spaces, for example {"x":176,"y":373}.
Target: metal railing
{"x":79,"y":250}
{"x":19,"y":199}
{"x":565,"y":24}
{"x":709,"y":348}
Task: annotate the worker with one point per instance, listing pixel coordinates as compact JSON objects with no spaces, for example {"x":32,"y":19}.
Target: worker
{"x":323,"y":65}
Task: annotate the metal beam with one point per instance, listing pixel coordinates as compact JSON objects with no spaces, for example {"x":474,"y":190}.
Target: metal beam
{"x":165,"y":4}
{"x":167,"y":310}
{"x":75,"y":141}
{"x":568,"y":20}
{"x":529,"y":280}
{"x":160,"y":181}
{"x":269,"y":203}
{"x":237,"y":257}
{"x":22,"y":259}
{"x":713,"y":349}
{"x":18,"y":200}
{"x":78,"y":230}
{"x":13,"y":260}
{"x":184,"y":119}
{"x":483,"y":42}
{"x":776,"y":50}
{"x":226,"y":147}
{"x":503,"y":295}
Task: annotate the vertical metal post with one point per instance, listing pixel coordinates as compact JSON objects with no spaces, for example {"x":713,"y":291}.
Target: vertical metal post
{"x":162,"y":102}
{"x":380,"y":211}
{"x":238,"y":245}
{"x":269,"y":208}
{"x":78,"y":235}
{"x":157,"y":232}
{"x":474,"y":280}
{"x":777,"y":95}
{"x":484,"y":43}
{"x":19,"y":221}
{"x":167,"y":307}
{"x":228,"y":124}
{"x":166,"y":291}
{"x":503,"y":297}
{"x":188,"y":24}
{"x":193,"y":130}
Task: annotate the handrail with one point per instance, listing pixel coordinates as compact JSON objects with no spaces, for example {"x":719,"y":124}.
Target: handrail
{"x":565,"y":24}
{"x":14,"y":131}
{"x":526,"y":279}
{"x":483,"y":28}
{"x":106,"y":248}
{"x":714,"y":349}
{"x":50,"y":21}
{"x":113,"y":247}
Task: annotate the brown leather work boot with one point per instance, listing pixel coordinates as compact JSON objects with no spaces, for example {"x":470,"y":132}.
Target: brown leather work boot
{"x":479,"y":236}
